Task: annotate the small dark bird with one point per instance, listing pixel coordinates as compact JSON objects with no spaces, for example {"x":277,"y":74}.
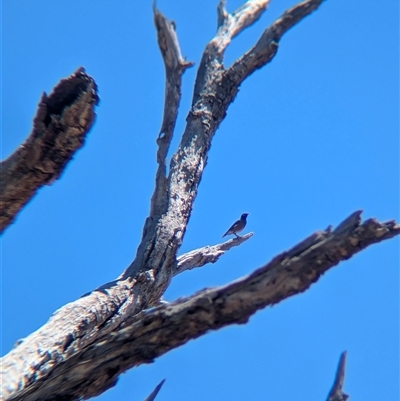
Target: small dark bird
{"x":237,"y":225}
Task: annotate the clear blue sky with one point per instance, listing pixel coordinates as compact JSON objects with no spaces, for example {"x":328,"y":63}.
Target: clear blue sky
{"x":310,"y":138}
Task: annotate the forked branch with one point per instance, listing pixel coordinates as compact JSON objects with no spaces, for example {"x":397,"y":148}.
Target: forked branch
{"x":175,"y":66}
{"x":155,"y":331}
{"x":266,"y":47}
{"x":86,"y":344}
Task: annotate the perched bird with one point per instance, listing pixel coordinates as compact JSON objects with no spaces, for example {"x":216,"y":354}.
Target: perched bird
{"x":237,"y":225}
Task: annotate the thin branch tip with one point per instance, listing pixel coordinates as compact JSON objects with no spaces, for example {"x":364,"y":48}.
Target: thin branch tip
{"x":207,"y":254}
{"x":156,"y":390}
{"x":222,"y":14}
{"x":266,"y":47}
{"x":336,"y":393}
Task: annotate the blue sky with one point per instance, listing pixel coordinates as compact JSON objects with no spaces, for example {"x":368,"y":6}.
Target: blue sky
{"x":310,"y":138}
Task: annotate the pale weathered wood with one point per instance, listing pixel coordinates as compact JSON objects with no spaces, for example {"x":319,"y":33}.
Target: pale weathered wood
{"x":206,"y":254}
{"x":157,"y":330}
{"x":86,"y":344}
{"x":175,"y":66}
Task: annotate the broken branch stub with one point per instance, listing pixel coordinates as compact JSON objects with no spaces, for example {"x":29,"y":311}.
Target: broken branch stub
{"x":60,"y":126}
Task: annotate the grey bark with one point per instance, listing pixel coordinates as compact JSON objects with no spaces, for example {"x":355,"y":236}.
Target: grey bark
{"x":151,"y":333}
{"x":86,"y":344}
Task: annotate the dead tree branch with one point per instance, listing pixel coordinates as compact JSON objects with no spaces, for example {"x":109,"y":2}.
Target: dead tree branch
{"x":86,"y":344}
{"x":336,"y":393}
{"x":207,"y":254}
{"x":60,"y":126}
{"x":267,"y":46}
{"x":232,"y":24}
{"x":155,"y":331}
{"x":175,"y":66}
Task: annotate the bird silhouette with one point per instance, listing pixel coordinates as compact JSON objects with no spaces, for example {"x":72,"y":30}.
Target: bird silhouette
{"x":237,"y":226}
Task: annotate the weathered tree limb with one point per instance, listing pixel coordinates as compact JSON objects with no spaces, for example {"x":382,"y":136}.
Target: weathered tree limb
{"x":205,"y":95}
{"x":58,"y":349}
{"x":267,"y":46}
{"x":336,"y":393}
{"x":175,"y":66}
{"x":100,"y":312}
{"x":62,"y":121}
{"x":157,"y":330}
{"x":232,"y":24}
{"x":207,"y":254}
{"x":163,"y":236}
{"x":65,"y":334}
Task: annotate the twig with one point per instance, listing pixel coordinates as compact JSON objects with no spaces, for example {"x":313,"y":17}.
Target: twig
{"x":207,"y":254}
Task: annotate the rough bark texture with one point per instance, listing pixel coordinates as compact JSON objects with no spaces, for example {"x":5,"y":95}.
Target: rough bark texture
{"x":86,"y":344}
{"x":155,"y":331}
{"x":60,"y":126}
{"x":175,"y":66}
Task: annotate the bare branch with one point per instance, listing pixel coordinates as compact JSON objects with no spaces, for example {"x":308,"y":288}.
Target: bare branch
{"x":207,"y":254}
{"x":62,"y":121}
{"x":266,"y":47}
{"x":154,"y":393}
{"x":229,"y":25}
{"x":232,"y":24}
{"x":163,"y":233}
{"x":336,"y":393}
{"x":223,"y":15}
{"x":175,"y":66}
{"x":157,"y":330}
{"x":104,"y":335}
